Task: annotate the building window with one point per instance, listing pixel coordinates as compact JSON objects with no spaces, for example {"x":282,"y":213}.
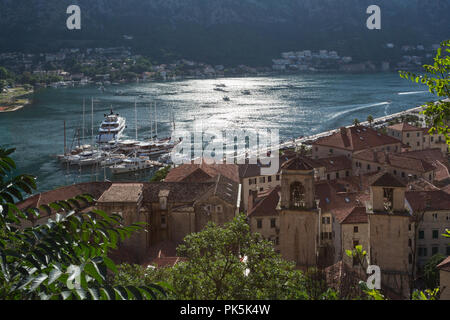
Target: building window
{"x":250,"y":182}
{"x":423,"y":252}
{"x":407,"y":135}
{"x":435,"y":216}
{"x":259,"y":223}
{"x":269,"y":179}
{"x":409,"y":243}
{"x":331,"y":150}
{"x":163,"y":221}
{"x":395,"y":172}
{"x":278,"y":177}
{"x":409,"y":227}
{"x":434,"y":250}
{"x":410,"y":258}
{"x":448,"y":250}
{"x":418,"y":134}
{"x":418,"y":144}
{"x":262,"y":180}
{"x":435,"y":234}
{"x":218,"y":208}
{"x":328,"y":177}
{"x":421,"y":234}
{"x":273,"y":223}
{"x":328,"y":220}
{"x":403,"y":174}
{"x":368,"y":167}
{"x":337,"y":175}
{"x":347,"y":174}
{"x":379,"y":168}
{"x":355,"y":230}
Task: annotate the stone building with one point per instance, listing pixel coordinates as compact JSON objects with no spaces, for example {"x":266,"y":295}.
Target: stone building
{"x":432,"y":208}
{"x":349,"y":141}
{"x":171,"y":210}
{"x":263,"y":215}
{"x":388,"y":234}
{"x":401,"y":165}
{"x":416,"y":138}
{"x":299,"y":217}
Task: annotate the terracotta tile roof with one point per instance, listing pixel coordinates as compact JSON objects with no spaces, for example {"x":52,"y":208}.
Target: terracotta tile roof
{"x":267,"y":205}
{"x":404,"y":127}
{"x":428,"y":200}
{"x":226,"y":189}
{"x":340,"y":204}
{"x":298,"y":163}
{"x":444,"y":265}
{"x":388,"y":180}
{"x":95,"y":189}
{"x":356,"y":139}
{"x":182,"y":172}
{"x":180,"y":192}
{"x":335,"y":163}
{"x":446,"y":189}
{"x":122,"y":193}
{"x":397,"y":160}
{"x":357,"y":216}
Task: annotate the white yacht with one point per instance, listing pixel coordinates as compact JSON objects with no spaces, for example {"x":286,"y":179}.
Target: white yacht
{"x":130,"y":165}
{"x":111,"y":128}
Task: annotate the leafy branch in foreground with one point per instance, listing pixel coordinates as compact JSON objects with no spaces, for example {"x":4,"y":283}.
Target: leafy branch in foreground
{"x":437,"y":78}
{"x":66,"y":257}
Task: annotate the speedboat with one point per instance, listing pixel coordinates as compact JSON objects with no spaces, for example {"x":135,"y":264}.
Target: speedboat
{"x":111,"y":128}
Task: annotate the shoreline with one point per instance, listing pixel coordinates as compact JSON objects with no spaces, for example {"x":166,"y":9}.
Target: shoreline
{"x":16,"y":101}
{"x":303,"y":141}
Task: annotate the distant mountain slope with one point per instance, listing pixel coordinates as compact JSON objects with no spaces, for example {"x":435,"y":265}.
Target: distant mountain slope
{"x":223,"y":31}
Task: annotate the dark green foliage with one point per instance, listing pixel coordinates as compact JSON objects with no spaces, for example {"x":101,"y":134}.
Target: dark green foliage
{"x":431,"y":273}
{"x":161,"y":174}
{"x":437,"y":78}
{"x":62,"y":257}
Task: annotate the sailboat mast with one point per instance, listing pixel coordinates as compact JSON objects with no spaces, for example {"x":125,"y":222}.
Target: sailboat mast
{"x":156,"y":123}
{"x":135,"y":117}
{"x":151,"y":123}
{"x":92,"y":121}
{"x":84,"y":107}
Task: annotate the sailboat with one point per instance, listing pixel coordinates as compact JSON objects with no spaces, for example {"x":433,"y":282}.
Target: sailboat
{"x":135,"y":163}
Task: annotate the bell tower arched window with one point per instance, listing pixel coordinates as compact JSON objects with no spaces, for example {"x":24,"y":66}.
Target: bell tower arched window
{"x":297,"y":195}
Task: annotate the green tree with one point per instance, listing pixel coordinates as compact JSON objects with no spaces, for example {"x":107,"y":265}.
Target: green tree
{"x":431,"y":273}
{"x":161,"y":174}
{"x":62,"y":257}
{"x":436,"y":77}
{"x":356,"y":122}
{"x":370,"y":120}
{"x":230,"y":262}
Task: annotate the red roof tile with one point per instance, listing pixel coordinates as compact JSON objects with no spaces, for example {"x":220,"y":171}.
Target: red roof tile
{"x":388,"y":180}
{"x":356,"y":139}
{"x":444,"y":265}
{"x":404,"y":127}
{"x":231,"y":171}
{"x":428,"y":200}
{"x":267,"y":206}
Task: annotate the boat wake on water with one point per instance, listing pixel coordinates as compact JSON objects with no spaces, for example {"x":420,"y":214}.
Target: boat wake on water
{"x":411,"y":92}
{"x":342,"y":113}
